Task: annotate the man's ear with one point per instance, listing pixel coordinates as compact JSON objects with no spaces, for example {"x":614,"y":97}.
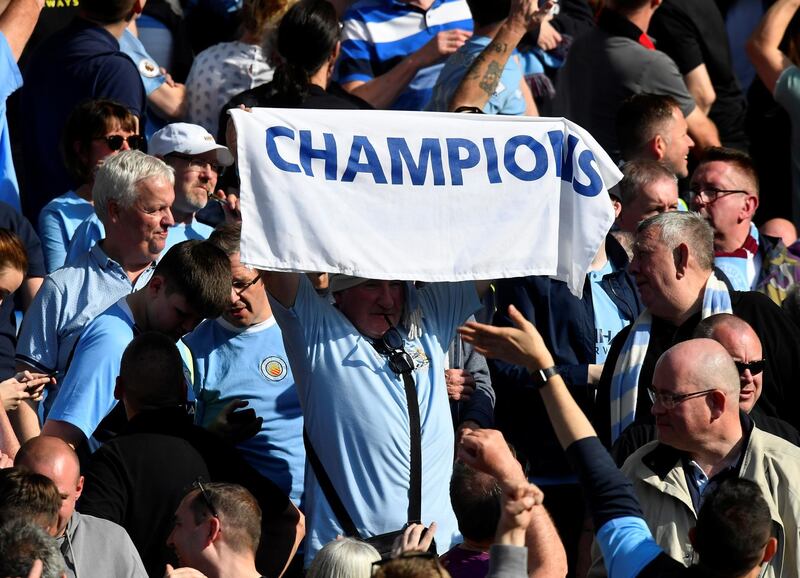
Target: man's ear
{"x":155,"y":285}
{"x":658,"y":147}
{"x":770,"y":549}
{"x":718,"y":401}
{"x":749,"y":207}
{"x":214,"y":530}
{"x":79,"y":488}
{"x":113,"y":210}
{"x":681,"y":257}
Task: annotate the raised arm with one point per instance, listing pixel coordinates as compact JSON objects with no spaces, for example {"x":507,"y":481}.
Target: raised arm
{"x":524,"y":521}
{"x":481,"y":80}
{"x":18,"y":21}
{"x":763,"y":46}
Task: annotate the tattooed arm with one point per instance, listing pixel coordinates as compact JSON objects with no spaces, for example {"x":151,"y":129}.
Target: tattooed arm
{"x":482,"y":78}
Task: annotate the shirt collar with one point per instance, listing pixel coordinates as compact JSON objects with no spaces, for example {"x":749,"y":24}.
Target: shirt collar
{"x":617,"y":25}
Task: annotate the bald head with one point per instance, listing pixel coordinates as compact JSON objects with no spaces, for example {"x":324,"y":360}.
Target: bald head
{"x":46,"y":452}
{"x":700,"y":364}
{"x":780,"y":228}
{"x":744,"y":346}
{"x":55,"y":459}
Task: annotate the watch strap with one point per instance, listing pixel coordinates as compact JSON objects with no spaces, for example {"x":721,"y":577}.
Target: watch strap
{"x":541,"y":376}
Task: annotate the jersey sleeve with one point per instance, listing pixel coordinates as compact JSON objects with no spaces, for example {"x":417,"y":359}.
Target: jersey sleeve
{"x":38,"y":341}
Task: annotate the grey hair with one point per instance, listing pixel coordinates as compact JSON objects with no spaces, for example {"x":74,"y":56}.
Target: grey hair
{"x":118,"y":178}
{"x":676,"y":227}
{"x":21,"y":543}
{"x":344,"y":558}
{"x":638,"y":173}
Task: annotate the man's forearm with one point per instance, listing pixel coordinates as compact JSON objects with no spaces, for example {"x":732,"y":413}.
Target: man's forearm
{"x":25,"y":421}
{"x":546,"y":554}
{"x":763,"y":46}
{"x":383,"y":90}
{"x":8,"y":440}
{"x":482,"y":78}
{"x":18,"y":21}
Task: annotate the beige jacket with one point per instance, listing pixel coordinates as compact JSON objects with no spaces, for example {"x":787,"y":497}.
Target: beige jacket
{"x":658,"y":478}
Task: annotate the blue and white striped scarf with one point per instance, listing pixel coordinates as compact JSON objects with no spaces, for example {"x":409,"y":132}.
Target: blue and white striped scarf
{"x":625,"y":382}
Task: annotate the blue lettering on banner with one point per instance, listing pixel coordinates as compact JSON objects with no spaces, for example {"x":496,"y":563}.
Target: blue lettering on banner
{"x":426,"y":162}
{"x":361,"y":145}
{"x":328,"y":154}
{"x":430,"y":152}
{"x":458,"y":164}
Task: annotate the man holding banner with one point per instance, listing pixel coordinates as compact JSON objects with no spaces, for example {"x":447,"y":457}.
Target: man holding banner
{"x":451,"y":200}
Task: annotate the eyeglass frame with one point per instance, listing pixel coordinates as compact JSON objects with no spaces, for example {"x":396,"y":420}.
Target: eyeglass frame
{"x":244,"y":286}
{"x":675,"y":400}
{"x":198,"y":484}
{"x":139,"y":141}
{"x":391,"y":345}
{"x":702,"y":192}
{"x":196,"y":162}
{"x":756,"y":364}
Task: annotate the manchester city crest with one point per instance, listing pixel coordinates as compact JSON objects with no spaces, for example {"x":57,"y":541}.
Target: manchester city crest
{"x":274,"y":368}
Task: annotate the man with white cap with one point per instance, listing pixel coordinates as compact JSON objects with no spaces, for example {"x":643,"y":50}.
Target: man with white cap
{"x":197,"y":161}
{"x":368,"y":363}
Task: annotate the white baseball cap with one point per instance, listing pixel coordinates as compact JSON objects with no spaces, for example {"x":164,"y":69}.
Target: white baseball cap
{"x":188,"y":139}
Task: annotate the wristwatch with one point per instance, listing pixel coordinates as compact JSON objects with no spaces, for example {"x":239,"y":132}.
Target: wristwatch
{"x":541,"y":376}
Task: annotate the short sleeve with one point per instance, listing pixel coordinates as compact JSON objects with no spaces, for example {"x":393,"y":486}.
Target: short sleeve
{"x":33,"y":247}
{"x":38,"y":341}
{"x":677,"y":36}
{"x":627,"y":546}
{"x":787,"y":91}
{"x":661,"y":76}
{"x":10,"y":77}
{"x":86,"y":394}
{"x":357,"y":51}
{"x":54,"y":239}
{"x":119,"y":80}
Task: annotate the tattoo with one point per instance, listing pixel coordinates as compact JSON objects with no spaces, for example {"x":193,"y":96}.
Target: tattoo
{"x":491,"y":78}
{"x":474,"y":70}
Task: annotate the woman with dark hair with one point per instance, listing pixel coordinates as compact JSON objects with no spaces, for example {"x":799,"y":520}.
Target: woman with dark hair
{"x":307,"y":46}
{"x":13,"y":267}
{"x":94,"y":130}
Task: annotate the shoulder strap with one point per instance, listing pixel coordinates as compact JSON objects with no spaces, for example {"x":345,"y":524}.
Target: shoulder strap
{"x":330,"y":492}
{"x":415,"y":485}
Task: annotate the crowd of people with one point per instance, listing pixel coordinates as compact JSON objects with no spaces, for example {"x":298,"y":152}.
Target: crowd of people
{"x":166,"y":409}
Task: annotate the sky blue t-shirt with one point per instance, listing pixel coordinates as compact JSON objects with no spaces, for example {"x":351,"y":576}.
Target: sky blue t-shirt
{"x":92,"y":230}
{"x":86,"y":394}
{"x":608,"y":319}
{"x":10,"y":80}
{"x":58,"y":221}
{"x":150,"y":73}
{"x":507,"y":97}
{"x":357,"y":417}
{"x":251,"y":364}
{"x":65,"y":304}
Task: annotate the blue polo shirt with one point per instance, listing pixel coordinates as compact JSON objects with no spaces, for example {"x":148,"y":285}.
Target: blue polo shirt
{"x":57,"y":224}
{"x":81,"y":62}
{"x":86,"y":395}
{"x":250,"y":363}
{"x":10,"y":80}
{"x":378,"y":34}
{"x":356,"y":412}
{"x":67,"y":301}
{"x":92,"y":230}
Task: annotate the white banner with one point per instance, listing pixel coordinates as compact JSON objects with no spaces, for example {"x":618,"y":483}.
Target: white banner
{"x":421,"y":196}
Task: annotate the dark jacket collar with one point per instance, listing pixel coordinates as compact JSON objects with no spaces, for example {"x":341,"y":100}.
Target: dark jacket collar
{"x":616,"y":24}
{"x":663,"y":458}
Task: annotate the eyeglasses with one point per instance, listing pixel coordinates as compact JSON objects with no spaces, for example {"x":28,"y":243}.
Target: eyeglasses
{"x":199,"y":163}
{"x":198,"y":484}
{"x":391,"y":345}
{"x":710,"y":195}
{"x":755,"y":366}
{"x":114,"y":141}
{"x":670,"y":400}
{"x":241,"y":286}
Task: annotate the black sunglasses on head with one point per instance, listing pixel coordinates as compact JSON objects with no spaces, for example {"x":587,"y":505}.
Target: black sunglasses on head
{"x":114,"y":141}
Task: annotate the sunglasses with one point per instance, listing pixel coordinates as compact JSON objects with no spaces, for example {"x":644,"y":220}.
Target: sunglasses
{"x":391,"y":345}
{"x":755,"y":367}
{"x":114,"y":141}
{"x":198,"y":484}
